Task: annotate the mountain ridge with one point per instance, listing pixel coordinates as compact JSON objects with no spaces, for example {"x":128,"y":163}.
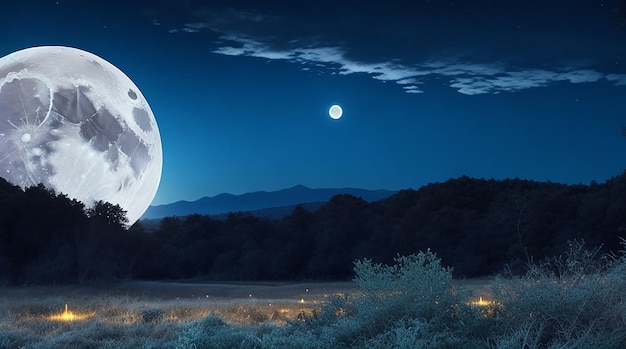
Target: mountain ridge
{"x":259,"y":200}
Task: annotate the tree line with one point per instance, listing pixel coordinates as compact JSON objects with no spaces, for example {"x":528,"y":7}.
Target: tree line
{"x":47,"y":238}
{"x":477,"y":226}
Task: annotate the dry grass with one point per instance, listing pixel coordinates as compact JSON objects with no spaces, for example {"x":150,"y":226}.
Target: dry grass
{"x":154,"y":314}
{"x":145,"y":314}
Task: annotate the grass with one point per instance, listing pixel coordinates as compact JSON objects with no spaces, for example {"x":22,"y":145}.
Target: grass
{"x":157,"y":315}
{"x":144,"y":314}
{"x":577,"y":300}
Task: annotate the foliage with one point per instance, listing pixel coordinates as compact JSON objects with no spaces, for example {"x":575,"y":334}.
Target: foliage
{"x":417,"y":285}
{"x":575,"y":300}
{"x":108,"y":214}
{"x":479,"y":227}
{"x":411,"y":303}
{"x":47,"y":238}
{"x":213,"y":333}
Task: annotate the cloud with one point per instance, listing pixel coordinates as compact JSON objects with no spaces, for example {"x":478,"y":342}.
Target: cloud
{"x":466,"y":78}
{"x":412,"y":89}
{"x":225,"y":20}
{"x":249,"y":47}
{"x":191,"y":28}
{"x":332,"y":58}
{"x":524,"y":79}
{"x":620,"y":79}
{"x":449,"y":68}
{"x":503,"y":82}
{"x":580,"y":76}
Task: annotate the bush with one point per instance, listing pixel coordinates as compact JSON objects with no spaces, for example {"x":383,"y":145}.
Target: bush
{"x":213,"y":333}
{"x":415,"y":333}
{"x":573,"y":301}
{"x":415,"y":286}
{"x":411,"y":303}
{"x":577,"y":300}
{"x":295,"y":336}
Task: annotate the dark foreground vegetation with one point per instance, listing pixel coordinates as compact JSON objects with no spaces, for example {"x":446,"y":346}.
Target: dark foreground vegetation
{"x":575,"y":300}
{"x":479,"y":227}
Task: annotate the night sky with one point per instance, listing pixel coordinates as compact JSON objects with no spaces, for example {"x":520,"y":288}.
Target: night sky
{"x":430,"y":89}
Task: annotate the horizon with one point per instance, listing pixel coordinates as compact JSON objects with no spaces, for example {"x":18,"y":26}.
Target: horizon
{"x":392,"y":190}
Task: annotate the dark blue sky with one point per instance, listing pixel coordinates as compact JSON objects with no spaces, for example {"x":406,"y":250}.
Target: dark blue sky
{"x":430,"y":89}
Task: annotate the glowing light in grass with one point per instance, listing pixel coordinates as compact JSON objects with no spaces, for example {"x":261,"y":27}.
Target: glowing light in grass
{"x":68,"y":315}
{"x":488,"y":306}
{"x":482,"y":302}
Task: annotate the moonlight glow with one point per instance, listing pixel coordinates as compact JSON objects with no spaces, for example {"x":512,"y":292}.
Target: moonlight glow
{"x":75,"y":123}
{"x":335,"y":112}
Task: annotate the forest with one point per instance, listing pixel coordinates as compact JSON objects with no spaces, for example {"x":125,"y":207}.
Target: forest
{"x":478,"y":227}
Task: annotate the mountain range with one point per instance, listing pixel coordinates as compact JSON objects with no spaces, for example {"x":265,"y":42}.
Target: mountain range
{"x":272,"y":204}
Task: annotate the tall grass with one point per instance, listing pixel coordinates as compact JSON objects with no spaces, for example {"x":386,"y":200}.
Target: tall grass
{"x":113,"y":321}
{"x":572,"y":301}
{"x":576,"y":300}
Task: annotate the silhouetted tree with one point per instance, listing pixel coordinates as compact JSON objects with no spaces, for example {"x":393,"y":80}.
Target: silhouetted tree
{"x":476,"y":226}
{"x":109,"y":214}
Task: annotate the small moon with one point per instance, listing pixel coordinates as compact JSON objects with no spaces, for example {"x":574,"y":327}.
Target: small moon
{"x":335,"y":112}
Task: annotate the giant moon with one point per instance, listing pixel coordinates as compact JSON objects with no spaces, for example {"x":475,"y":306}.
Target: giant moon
{"x":76,"y":124}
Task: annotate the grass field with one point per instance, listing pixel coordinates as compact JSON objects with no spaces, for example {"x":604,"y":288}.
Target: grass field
{"x":145,"y":313}
{"x":577,"y":300}
{"x":138,"y":314}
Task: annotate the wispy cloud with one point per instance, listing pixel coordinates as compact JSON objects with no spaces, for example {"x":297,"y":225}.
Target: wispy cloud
{"x":619,"y":79}
{"x":185,"y":30}
{"x":466,"y":78}
{"x":332,"y":58}
{"x":513,"y":81}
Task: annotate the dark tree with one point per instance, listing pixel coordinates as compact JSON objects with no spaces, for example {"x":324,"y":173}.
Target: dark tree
{"x":109,"y":214}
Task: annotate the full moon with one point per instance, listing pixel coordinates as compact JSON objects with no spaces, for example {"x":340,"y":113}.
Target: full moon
{"x":335,"y":112}
{"x":75,"y":123}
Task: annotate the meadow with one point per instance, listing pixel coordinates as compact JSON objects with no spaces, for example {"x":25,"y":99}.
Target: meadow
{"x":576,"y":300}
{"x":137,"y":314}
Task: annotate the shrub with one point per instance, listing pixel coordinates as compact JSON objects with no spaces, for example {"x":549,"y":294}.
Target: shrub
{"x":573,"y":301}
{"x":416,"y":333}
{"x":414,"y":297}
{"x":415,"y":286}
{"x":576,"y":300}
{"x":213,"y":333}
{"x":295,"y":336}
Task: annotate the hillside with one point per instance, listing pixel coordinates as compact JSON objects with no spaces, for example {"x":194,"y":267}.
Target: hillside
{"x":273,"y":204}
{"x":479,"y":227}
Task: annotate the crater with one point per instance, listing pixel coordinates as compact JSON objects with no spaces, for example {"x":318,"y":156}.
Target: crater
{"x":142,"y":118}
{"x":73,"y":104}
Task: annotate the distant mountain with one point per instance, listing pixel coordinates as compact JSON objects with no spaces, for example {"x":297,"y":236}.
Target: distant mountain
{"x":274,"y":204}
